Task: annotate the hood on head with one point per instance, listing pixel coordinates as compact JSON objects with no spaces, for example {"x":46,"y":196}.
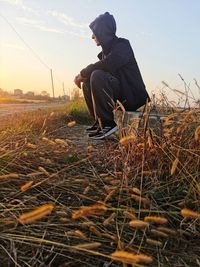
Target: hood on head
{"x":104,"y":28}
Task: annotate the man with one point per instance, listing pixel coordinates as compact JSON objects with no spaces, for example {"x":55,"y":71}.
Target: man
{"x":115,"y":76}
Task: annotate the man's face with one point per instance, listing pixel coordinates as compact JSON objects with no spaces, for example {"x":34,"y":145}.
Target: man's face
{"x":95,"y":39}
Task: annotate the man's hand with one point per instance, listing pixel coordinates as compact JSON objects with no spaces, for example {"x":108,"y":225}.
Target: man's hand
{"x":78,"y":80}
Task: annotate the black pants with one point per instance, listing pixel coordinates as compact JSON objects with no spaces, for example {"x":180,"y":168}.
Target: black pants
{"x":101,"y":93}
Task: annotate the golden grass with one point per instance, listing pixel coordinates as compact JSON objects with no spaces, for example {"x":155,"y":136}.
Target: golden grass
{"x":26,"y":186}
{"x":61,"y":142}
{"x":166,"y":230}
{"x":89,"y":245}
{"x":96,"y":209}
{"x":154,"y":242}
{"x":136,"y":191}
{"x":36,"y":214}
{"x":155,"y":219}
{"x":129,"y":215}
{"x":138,"y":224}
{"x":187,"y":213}
{"x":9,"y":176}
{"x":71,"y":124}
{"x":130,"y":258}
{"x":197,"y":134}
{"x":127,"y":140}
{"x":115,"y":197}
{"x":159,"y":233}
{"x":174,"y":166}
{"x":143,"y":200}
{"x":109,"y":219}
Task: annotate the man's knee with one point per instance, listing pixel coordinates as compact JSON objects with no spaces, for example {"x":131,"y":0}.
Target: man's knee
{"x":97,"y":75}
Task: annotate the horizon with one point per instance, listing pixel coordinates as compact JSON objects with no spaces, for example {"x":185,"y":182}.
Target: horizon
{"x":37,"y":37}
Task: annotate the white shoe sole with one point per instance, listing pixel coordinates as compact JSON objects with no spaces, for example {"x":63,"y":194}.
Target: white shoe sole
{"x":113,"y":130}
{"x":90,"y":131}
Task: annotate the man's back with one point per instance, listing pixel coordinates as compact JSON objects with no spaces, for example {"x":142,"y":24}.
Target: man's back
{"x":133,"y":90}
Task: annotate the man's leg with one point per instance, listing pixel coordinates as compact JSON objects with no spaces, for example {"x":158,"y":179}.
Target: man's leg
{"x":89,"y":101}
{"x":88,"y":97}
{"x":105,"y":89}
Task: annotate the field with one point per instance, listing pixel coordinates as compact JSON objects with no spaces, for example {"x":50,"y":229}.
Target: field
{"x":12,"y":100}
{"x":19,"y":106}
{"x":131,"y":200}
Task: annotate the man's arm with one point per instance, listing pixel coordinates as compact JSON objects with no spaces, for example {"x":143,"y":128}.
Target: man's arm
{"x":120,"y":56}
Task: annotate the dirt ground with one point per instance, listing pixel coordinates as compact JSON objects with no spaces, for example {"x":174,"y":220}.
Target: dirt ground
{"x":11,"y":109}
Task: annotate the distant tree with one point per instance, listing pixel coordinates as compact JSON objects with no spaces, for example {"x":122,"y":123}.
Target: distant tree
{"x":45,"y":94}
{"x":4,"y":93}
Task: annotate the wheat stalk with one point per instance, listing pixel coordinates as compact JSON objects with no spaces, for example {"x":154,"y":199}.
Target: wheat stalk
{"x":36,"y":214}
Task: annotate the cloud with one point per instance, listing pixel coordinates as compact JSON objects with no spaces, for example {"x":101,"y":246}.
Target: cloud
{"x":13,"y":2}
{"x":11,"y":45}
{"x":38,"y":24}
{"x":67,"y":20}
{"x":29,"y":21}
{"x":20,"y":4}
{"x":73,"y":27}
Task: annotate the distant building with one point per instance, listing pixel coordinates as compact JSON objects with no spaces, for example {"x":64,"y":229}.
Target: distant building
{"x":18,"y":92}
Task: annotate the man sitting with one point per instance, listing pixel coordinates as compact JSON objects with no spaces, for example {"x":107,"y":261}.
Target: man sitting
{"x":116,"y":76}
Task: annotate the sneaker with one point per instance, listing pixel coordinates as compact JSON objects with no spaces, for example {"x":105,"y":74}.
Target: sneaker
{"x":104,"y":132}
{"x":93,"y":128}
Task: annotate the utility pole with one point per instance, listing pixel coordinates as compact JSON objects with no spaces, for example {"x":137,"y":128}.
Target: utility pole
{"x":52,"y":84}
{"x":69,"y":93}
{"x":63,"y":89}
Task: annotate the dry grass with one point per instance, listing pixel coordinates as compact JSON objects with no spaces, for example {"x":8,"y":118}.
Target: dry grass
{"x":93,"y":196}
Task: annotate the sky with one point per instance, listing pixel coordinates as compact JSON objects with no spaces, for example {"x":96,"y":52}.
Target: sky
{"x":39,"y":35}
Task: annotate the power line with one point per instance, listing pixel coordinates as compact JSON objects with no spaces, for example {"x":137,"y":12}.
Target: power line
{"x":25,"y":43}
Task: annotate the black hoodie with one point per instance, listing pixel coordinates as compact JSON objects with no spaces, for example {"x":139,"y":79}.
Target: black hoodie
{"x":117,"y":58}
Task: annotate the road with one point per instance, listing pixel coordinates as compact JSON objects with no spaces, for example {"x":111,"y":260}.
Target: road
{"x":11,"y":109}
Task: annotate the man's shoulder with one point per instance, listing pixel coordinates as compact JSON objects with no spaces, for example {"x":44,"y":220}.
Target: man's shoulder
{"x":123,"y":44}
{"x":123,"y":40}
